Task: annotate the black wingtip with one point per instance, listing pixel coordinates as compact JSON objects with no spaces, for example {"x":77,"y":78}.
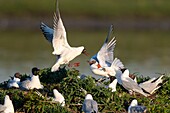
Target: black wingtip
{"x":57,"y":9}
{"x":42,"y":25}
{"x":109,"y":33}
{"x":111,"y":27}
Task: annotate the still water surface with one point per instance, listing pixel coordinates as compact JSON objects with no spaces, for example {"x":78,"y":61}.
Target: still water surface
{"x":145,"y":52}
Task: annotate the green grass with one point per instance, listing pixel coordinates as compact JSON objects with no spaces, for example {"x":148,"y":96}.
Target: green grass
{"x":92,"y":8}
{"x":67,"y":82}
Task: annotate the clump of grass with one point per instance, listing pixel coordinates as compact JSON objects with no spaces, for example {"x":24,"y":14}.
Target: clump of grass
{"x":74,"y":90}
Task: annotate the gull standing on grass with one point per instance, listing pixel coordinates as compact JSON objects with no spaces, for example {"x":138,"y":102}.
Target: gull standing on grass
{"x":135,"y":108}
{"x":89,"y":105}
{"x":102,"y":63}
{"x":33,"y":82}
{"x":63,"y":51}
{"x":129,"y":84}
{"x":14,"y":82}
{"x":7,"y":107}
{"x":58,"y":97}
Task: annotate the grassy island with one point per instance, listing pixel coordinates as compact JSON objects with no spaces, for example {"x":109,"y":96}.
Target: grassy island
{"x":74,"y":89}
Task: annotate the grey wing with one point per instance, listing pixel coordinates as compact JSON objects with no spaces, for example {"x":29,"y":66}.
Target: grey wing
{"x":145,"y":85}
{"x":9,"y":83}
{"x":137,"y":109}
{"x":153,"y":84}
{"x":95,"y":106}
{"x":148,"y":81}
{"x":25,"y":85}
{"x":130,"y":84}
{"x":87,"y":106}
{"x":47,"y":32}
{"x":2,"y":108}
{"x":105,"y":54}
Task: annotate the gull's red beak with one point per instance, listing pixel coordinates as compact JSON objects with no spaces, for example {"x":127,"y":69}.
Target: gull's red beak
{"x":76,"y":64}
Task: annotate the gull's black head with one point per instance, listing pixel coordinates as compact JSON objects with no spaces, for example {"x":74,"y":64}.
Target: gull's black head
{"x":112,"y":78}
{"x":17,"y":75}
{"x":123,"y":70}
{"x":35,"y":71}
{"x":91,"y":62}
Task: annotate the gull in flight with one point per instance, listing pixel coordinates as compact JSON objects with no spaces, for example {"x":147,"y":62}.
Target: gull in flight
{"x":130,"y":85}
{"x":135,"y":108}
{"x":89,"y":105}
{"x":103,"y":63}
{"x":7,"y":107}
{"x":33,"y":82}
{"x":14,"y":82}
{"x":63,"y":51}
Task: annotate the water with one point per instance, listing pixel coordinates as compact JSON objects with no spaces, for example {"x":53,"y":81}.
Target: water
{"x":145,"y":52}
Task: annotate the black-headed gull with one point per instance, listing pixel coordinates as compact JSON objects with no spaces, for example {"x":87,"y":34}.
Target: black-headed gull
{"x":14,"y":82}
{"x":135,"y":108}
{"x":64,"y":52}
{"x":89,"y":105}
{"x":152,"y":84}
{"x":103,"y":63}
{"x":8,"y":106}
{"x":129,"y":84}
{"x":33,"y":82}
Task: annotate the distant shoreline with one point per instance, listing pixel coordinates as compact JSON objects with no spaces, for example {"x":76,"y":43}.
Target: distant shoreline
{"x":85,"y":23}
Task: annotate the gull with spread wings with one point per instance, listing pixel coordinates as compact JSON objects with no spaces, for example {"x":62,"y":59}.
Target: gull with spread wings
{"x":103,"y":63}
{"x":57,"y":36}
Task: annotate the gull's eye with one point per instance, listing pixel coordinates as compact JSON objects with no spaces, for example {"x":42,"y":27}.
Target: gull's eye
{"x":93,"y":61}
